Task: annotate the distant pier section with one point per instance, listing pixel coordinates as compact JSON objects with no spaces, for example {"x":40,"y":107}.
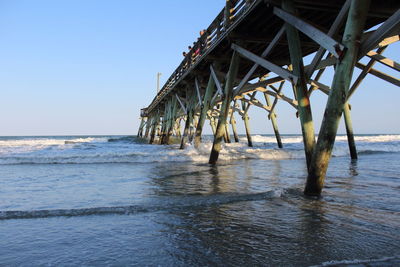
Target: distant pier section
{"x":252,"y":55}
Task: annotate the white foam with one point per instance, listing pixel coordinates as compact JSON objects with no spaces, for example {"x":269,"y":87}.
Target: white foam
{"x":235,"y":151}
{"x":298,"y":138}
{"x":44,"y":142}
{"x":372,"y":138}
{"x":272,"y":139}
{"x":32,"y":144}
{"x":80,"y":150}
{"x":356,"y":261}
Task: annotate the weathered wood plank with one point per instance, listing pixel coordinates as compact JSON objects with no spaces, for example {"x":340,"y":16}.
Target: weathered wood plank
{"x":379,"y":74}
{"x":181,"y":103}
{"x":390,"y":26}
{"x":266,"y":64}
{"x":324,"y":40}
{"x":384,"y":60}
{"x":268,"y":50}
{"x":216,"y":81}
{"x":332,"y":31}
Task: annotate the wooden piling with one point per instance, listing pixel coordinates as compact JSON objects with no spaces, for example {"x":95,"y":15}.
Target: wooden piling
{"x":185,"y":136}
{"x":349,"y":131}
{"x":247,"y":127}
{"x":227,"y":134}
{"x":148,"y":126}
{"x":185,"y":132}
{"x":337,"y":97}
{"x":213,"y":126}
{"x":233,"y":124}
{"x":189,"y":117}
{"x":272,"y":117}
{"x":300,"y":88}
{"x":154,"y":127}
{"x":171,"y":120}
{"x":177,"y":127}
{"x":227,"y":98}
{"x":164,"y":124}
{"x":245,"y":118}
{"x":140,"y":131}
{"x":203,"y":113}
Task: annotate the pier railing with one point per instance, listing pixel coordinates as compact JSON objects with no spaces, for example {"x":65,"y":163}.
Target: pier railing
{"x":233,"y":10}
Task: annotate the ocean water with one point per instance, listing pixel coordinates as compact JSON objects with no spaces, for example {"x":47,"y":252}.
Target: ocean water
{"x":115,"y":200}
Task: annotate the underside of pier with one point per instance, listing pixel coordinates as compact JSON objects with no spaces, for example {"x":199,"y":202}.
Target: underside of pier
{"x":256,"y":48}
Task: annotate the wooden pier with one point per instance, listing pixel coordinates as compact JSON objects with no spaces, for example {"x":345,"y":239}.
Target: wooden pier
{"x":256,"y":48}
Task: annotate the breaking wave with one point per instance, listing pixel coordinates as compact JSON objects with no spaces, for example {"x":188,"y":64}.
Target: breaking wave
{"x":169,"y":204}
{"x":385,"y":261}
{"x":129,"y":149}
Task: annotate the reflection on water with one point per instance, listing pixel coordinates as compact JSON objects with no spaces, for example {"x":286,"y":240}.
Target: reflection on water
{"x":246,"y":212}
{"x":353,"y":168}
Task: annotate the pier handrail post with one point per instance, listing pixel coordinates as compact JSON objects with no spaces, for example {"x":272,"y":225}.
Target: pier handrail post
{"x":227,"y":14}
{"x":337,"y":97}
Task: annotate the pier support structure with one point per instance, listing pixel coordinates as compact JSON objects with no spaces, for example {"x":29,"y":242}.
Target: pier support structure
{"x":300,"y":87}
{"x":227,"y":98}
{"x":205,"y":106}
{"x":337,"y":97}
{"x":254,"y":30}
{"x":233,"y":123}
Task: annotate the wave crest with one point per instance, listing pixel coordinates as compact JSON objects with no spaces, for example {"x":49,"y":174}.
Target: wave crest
{"x":168,"y":204}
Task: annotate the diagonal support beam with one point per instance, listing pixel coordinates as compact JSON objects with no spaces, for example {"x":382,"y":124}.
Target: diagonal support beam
{"x":324,"y":40}
{"x":287,"y":75}
{"x":390,"y":26}
{"x":272,"y":117}
{"x":379,"y":74}
{"x":324,"y":88}
{"x":363,"y":73}
{"x":196,"y":83}
{"x":269,"y":48}
{"x":180,"y":102}
{"x":253,"y":95}
{"x":290,"y":101}
{"x":216,"y":81}
{"x":384,"y":60}
{"x":275,"y":100}
{"x":332,"y":31}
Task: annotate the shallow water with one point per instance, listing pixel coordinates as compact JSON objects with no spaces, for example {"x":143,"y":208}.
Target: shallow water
{"x":91,"y":201}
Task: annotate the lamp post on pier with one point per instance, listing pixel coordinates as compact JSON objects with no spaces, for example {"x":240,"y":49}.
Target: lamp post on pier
{"x":158,"y":81}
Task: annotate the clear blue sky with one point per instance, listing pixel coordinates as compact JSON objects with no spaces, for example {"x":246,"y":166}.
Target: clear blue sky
{"x":87,"y":67}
